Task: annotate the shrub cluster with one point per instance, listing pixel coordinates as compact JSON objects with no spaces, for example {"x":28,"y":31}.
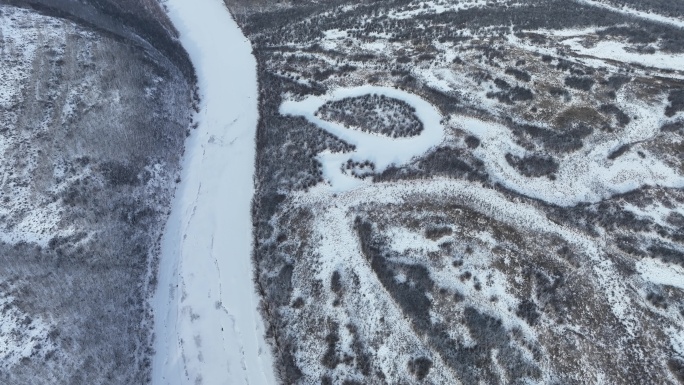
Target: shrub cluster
{"x":533,"y":165}
{"x":374,"y":113}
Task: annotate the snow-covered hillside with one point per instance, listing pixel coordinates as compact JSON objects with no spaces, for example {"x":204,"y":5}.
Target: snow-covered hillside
{"x":207,"y":327}
{"x":92,"y":127}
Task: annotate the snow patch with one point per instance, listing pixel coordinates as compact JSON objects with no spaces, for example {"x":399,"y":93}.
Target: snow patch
{"x":583,"y":176}
{"x":437,"y":7}
{"x":403,"y":239}
{"x":619,"y":51}
{"x":677,"y":22}
{"x":660,"y":273}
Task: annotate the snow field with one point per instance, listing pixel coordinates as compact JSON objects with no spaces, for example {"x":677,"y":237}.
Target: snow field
{"x":584,"y":176}
{"x":661,"y":273}
{"x":437,"y":7}
{"x":334,"y":228}
{"x":677,"y":22}
{"x":20,"y":37}
{"x":339,"y":249}
{"x":613,"y":50}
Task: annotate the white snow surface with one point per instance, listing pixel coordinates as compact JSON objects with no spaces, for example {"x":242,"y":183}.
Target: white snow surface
{"x":382,"y":150}
{"x":613,"y":50}
{"x":22,"y":335}
{"x":333,"y":227}
{"x":661,"y":273}
{"x":437,"y":7}
{"x":207,"y":328}
{"x":584,"y":176}
{"x":22,"y":32}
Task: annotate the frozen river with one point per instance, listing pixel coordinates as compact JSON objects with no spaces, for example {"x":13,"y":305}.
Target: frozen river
{"x":207,"y":328}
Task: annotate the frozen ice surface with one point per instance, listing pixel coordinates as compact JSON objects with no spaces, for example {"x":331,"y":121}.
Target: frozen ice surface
{"x":207,"y":328}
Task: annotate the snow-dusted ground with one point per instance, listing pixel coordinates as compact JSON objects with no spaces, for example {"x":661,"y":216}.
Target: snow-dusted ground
{"x":207,"y":328}
{"x":604,"y":51}
{"x":661,"y":273}
{"x":586,"y":176}
{"x":617,"y":51}
{"x":437,"y":7}
{"x":334,"y":230}
{"x":677,"y":22}
{"x":22,"y":335}
{"x":20,"y":40}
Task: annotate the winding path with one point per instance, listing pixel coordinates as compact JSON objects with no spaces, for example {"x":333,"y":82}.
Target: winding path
{"x":207,"y":328}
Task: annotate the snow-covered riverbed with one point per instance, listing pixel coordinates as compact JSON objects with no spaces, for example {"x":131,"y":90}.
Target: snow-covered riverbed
{"x":207,"y":328}
{"x":382,"y":150}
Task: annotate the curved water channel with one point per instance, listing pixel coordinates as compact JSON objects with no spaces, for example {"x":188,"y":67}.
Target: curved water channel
{"x":586,"y":175}
{"x":383,"y":151}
